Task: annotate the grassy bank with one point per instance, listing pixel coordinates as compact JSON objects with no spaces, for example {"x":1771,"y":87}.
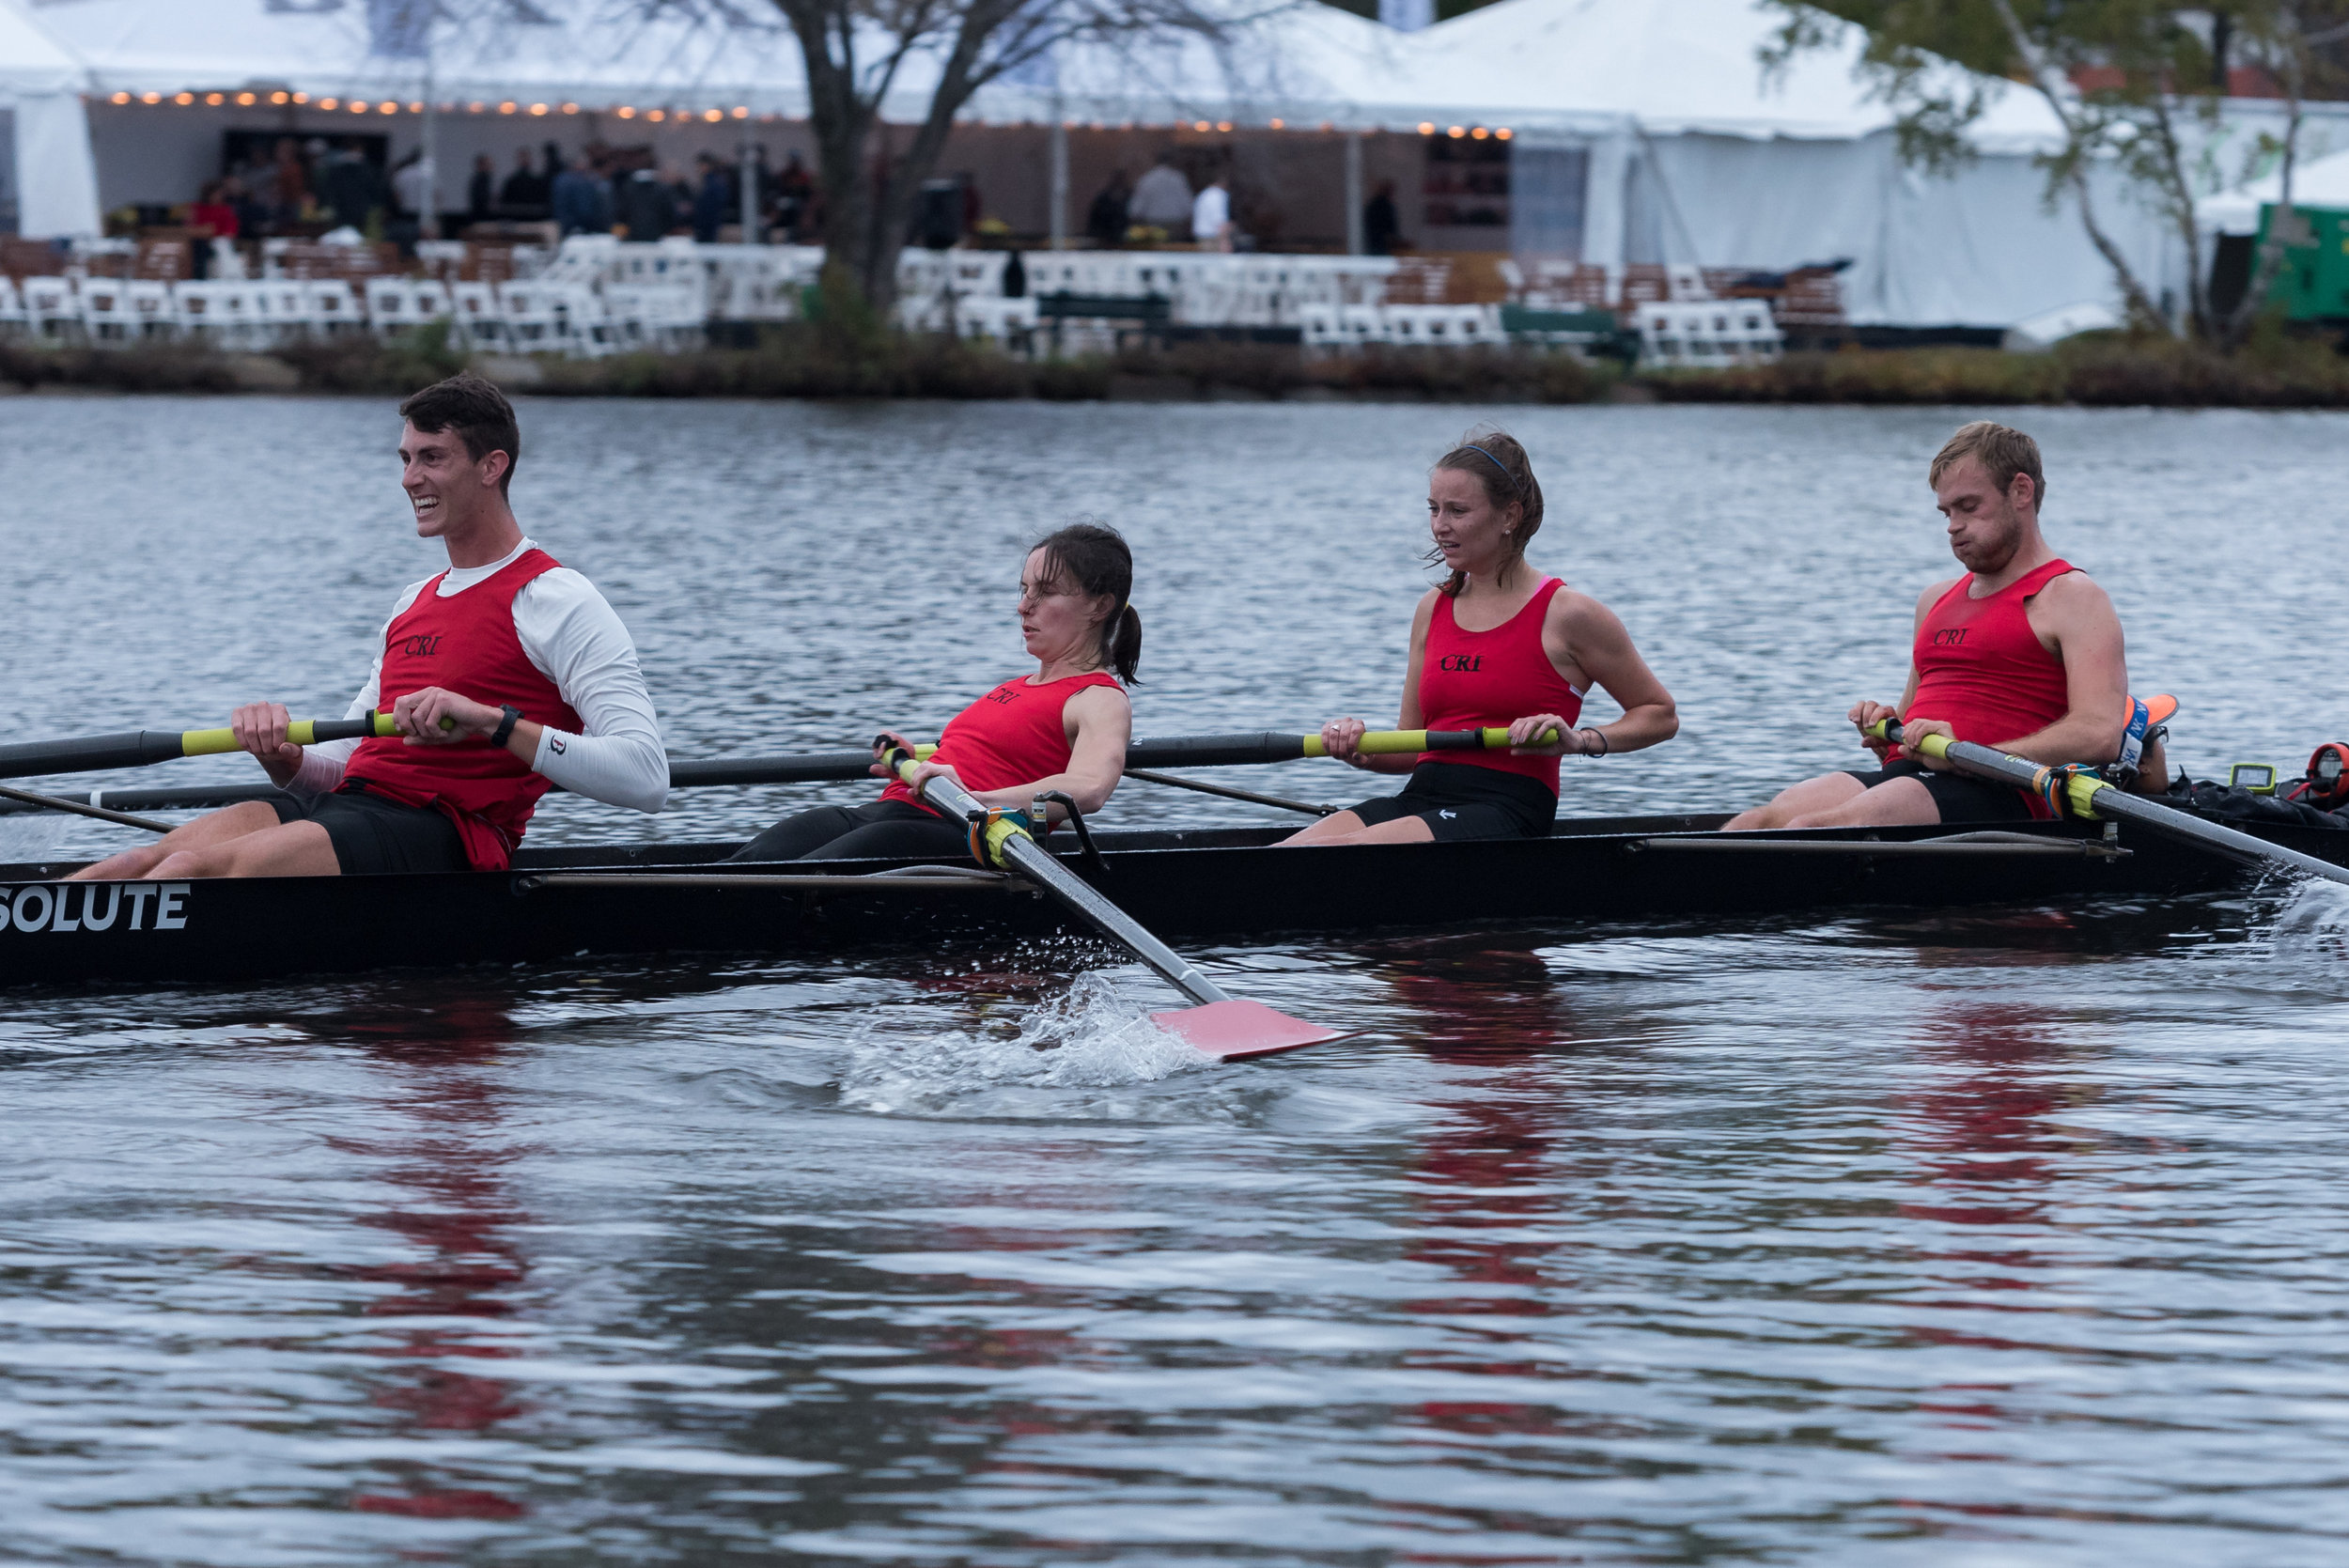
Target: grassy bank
{"x":2102,"y":371}
{"x":793,"y":362}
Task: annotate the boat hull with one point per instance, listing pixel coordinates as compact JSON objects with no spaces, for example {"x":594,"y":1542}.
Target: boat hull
{"x":561,"y":904}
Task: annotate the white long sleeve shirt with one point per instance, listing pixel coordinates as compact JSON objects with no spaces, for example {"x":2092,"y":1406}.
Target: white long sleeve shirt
{"x":574,"y":638}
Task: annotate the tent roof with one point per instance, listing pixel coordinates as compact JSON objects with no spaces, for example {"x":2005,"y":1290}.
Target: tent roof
{"x":1575,"y":67}
{"x":2323,"y":183}
{"x":530,"y":52}
{"x":1681,"y":66}
{"x":30,"y":60}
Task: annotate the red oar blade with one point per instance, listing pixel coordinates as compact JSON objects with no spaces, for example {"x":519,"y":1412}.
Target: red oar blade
{"x":1232,"y":1029}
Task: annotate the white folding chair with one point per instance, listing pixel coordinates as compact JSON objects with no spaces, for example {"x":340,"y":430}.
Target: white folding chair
{"x":105,"y":311}
{"x":333,"y":309}
{"x":587,"y":323}
{"x":480,"y":320}
{"x":50,"y":308}
{"x":280,"y":308}
{"x":1323,"y":325}
{"x":390,"y":304}
{"x":152,"y":312}
{"x":198,"y":312}
{"x":430,"y":301}
{"x":534,"y":323}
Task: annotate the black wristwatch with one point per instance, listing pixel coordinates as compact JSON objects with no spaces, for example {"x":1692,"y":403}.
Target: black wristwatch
{"x":505,"y":731}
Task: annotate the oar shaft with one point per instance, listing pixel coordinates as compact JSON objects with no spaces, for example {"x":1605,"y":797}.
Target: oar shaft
{"x":82,"y":808}
{"x":1039,"y":865}
{"x":2090,"y":795}
{"x":144,"y":748}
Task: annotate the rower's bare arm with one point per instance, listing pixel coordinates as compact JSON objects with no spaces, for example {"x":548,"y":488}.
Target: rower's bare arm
{"x":1593,"y":639}
{"x":1339,"y":737}
{"x":2078,"y":617}
{"x":260,"y":728}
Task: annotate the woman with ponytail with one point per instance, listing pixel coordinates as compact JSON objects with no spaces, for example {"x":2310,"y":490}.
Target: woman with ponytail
{"x":1496,"y":643}
{"x":1063,"y":728}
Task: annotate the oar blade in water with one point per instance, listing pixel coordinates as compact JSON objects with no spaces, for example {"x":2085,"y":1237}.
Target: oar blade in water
{"x":1240,"y":1028}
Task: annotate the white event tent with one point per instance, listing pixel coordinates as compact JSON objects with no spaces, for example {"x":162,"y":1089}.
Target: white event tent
{"x":1641,"y":130}
{"x":50,"y":179}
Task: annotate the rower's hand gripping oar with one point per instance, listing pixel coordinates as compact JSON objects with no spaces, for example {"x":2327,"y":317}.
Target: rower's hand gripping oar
{"x":1216,"y":1022}
{"x":143,"y":748}
{"x":2084,"y":795}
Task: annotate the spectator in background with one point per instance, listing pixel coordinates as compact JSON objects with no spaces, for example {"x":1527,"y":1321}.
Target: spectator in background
{"x":525,"y":194}
{"x":412,"y":191}
{"x":290,"y":182}
{"x":1161,"y":198}
{"x":1105,"y":221}
{"x":579,"y":198}
{"x":481,"y":190}
{"x":1381,"y":227}
{"x":794,"y":188}
{"x":713,"y":198}
{"x":209,"y":217}
{"x":352,"y":188}
{"x":1211,"y":216}
{"x":253,"y":214}
{"x":647,"y":205}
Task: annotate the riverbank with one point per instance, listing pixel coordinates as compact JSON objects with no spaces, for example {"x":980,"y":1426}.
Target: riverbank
{"x":2106,"y":371}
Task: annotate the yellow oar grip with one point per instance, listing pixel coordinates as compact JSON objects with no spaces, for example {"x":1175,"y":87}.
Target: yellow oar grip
{"x":1931,"y":745}
{"x":302,"y":732}
{"x":1390,"y":742}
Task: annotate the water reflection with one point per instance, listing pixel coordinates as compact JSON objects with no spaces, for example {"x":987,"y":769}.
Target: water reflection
{"x":443,"y":1146}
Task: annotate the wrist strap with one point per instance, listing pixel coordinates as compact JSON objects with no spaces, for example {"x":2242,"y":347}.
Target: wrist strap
{"x":505,"y":731}
{"x":1602,"y":741}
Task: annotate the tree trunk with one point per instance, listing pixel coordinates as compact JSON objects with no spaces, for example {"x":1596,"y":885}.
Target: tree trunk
{"x":2142,"y":311}
{"x":2285,"y":228}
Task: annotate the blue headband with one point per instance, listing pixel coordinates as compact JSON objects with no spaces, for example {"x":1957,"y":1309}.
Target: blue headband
{"x":1499,"y":464}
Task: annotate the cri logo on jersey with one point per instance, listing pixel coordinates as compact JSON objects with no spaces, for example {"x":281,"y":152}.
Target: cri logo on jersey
{"x":1461,"y":663}
{"x":1950,"y":638}
{"x":423,"y":646}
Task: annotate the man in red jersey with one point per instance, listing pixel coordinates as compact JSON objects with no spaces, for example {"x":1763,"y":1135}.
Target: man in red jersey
{"x":505,"y":675}
{"x":2024,"y":654}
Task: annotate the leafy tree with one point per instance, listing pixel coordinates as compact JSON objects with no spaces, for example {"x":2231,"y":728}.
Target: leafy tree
{"x":856,"y":52}
{"x":2132,"y":82}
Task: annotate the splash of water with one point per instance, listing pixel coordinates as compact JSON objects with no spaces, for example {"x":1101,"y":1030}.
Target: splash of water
{"x":2313,"y":923}
{"x":1088,"y":1038}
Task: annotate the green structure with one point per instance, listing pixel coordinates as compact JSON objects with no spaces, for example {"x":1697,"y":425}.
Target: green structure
{"x":2314,"y":285}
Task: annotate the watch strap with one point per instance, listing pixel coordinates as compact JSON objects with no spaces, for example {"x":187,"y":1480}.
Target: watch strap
{"x":505,"y":731}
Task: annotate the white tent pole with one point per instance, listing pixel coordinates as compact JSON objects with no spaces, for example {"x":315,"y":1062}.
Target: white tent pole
{"x":1059,"y":225}
{"x":749,"y":183}
{"x":1354,"y":240}
{"x":430,"y":216}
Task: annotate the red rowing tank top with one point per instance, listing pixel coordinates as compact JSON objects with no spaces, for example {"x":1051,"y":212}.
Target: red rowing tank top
{"x":1015,"y":735}
{"x":1982,"y":670}
{"x":1476,"y":679}
{"x":466,"y":644}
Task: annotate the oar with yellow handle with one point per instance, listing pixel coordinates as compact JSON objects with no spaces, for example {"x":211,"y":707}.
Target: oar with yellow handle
{"x":143,"y":748}
{"x":1216,"y":1022}
{"x":2085,"y":795}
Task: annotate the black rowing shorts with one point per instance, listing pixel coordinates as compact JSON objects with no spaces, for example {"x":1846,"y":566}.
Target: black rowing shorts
{"x":893,"y":829}
{"x":1460,"y":802}
{"x":1957,"y":797}
{"x":372,"y":835}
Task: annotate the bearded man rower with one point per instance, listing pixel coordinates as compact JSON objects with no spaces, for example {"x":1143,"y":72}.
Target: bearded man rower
{"x":505,"y":675}
{"x":2023,"y":654}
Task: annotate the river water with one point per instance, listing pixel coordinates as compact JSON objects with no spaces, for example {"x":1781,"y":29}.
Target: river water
{"x":2012,"y":1235}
